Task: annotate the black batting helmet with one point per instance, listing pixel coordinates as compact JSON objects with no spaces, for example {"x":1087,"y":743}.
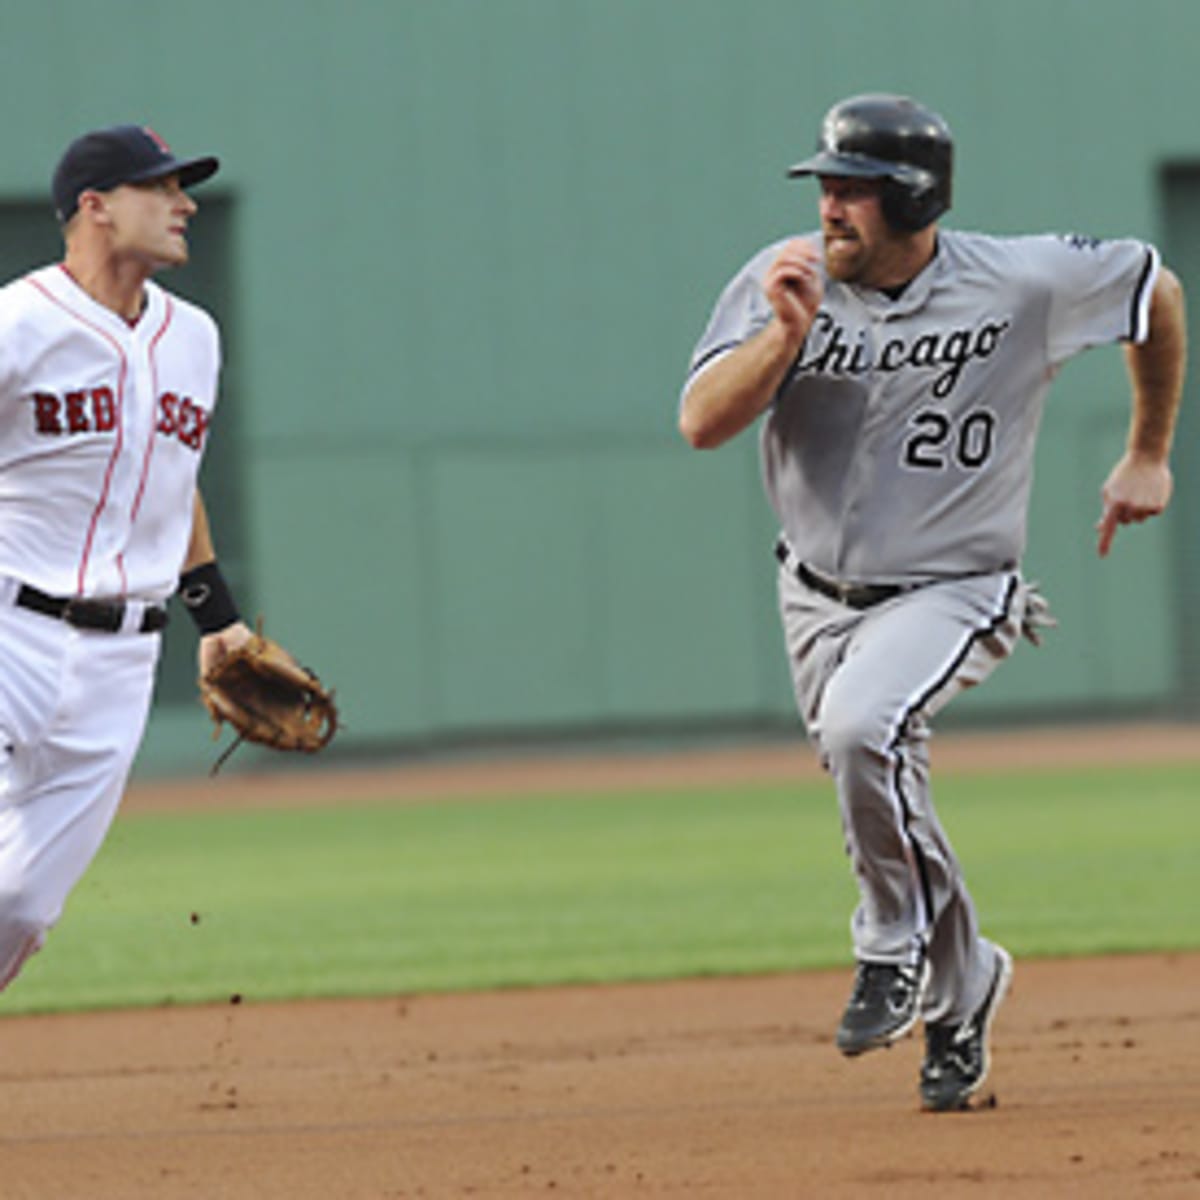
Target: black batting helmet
{"x":893,"y":138}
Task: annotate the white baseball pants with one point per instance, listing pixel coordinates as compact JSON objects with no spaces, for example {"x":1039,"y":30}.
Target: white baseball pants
{"x":73,"y":708}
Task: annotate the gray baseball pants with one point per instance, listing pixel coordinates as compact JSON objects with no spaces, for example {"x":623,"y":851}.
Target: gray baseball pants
{"x":867,"y":684}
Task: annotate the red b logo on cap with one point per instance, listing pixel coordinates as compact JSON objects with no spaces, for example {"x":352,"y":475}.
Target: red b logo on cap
{"x":158,"y":141}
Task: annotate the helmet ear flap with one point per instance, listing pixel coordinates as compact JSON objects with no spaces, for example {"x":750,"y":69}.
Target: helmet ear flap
{"x":908,"y":207}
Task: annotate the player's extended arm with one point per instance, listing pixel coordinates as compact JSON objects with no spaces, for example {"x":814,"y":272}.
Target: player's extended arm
{"x":729,"y":395}
{"x":1140,"y":485}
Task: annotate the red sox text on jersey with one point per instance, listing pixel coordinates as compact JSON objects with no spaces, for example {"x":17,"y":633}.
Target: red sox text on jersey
{"x":94,"y":410}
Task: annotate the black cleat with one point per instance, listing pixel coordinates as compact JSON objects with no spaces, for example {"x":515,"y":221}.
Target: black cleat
{"x":956,"y":1055}
{"x":884,"y":1005}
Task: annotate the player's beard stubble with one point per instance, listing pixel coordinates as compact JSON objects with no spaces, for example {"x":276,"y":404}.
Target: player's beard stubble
{"x":846,"y":256}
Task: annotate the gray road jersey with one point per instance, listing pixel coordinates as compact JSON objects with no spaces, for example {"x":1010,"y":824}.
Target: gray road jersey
{"x":900,"y":446}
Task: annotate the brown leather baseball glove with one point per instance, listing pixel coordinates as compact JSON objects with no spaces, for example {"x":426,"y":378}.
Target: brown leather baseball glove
{"x":269,"y":698}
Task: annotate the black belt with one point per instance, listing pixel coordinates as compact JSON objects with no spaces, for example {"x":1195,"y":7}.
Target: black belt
{"x":855,"y":595}
{"x":106,"y":615}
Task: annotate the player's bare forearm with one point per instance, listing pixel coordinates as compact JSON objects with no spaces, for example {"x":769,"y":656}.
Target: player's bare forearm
{"x":732,"y":393}
{"x":1140,"y":485}
{"x":1156,"y":371}
{"x":200,"y":544}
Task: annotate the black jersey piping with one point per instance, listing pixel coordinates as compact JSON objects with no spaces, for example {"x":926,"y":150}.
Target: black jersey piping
{"x":711,"y":354}
{"x":1136,"y":303}
{"x":896,"y":747}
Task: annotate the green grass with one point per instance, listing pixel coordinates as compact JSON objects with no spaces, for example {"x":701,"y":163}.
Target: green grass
{"x":370,"y":899}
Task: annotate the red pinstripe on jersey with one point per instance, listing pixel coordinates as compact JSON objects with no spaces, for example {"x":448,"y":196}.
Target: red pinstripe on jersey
{"x":102,"y":500}
{"x":151,"y":438}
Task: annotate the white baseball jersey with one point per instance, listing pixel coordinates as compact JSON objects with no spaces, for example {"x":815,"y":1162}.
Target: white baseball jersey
{"x":900,"y":445}
{"x":102,"y":426}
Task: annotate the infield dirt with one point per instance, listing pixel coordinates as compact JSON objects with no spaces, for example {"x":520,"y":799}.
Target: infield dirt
{"x":711,"y":1088}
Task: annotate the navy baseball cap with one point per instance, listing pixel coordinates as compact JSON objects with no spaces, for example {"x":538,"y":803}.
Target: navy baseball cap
{"x":107,"y":158}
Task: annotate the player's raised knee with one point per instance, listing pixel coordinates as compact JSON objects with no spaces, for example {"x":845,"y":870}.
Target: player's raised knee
{"x":846,"y":731}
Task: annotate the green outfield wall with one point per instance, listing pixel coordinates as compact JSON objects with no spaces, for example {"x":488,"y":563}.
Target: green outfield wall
{"x":460,"y":251}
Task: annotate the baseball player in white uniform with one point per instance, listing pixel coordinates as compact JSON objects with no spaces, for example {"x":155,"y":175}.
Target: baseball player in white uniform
{"x":107,"y":389}
{"x":900,"y":371}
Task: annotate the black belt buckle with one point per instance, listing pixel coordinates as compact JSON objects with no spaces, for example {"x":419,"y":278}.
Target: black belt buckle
{"x":867,"y":595}
{"x":853,"y":595}
{"x":94,"y":614}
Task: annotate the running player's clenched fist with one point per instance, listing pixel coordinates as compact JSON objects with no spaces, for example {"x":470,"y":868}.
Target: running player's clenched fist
{"x":794,"y":287}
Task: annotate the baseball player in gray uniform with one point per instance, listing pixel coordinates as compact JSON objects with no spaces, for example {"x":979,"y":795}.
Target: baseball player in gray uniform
{"x":900,"y":370}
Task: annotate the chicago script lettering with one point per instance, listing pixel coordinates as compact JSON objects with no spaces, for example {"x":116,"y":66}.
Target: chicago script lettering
{"x":831,"y":350}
